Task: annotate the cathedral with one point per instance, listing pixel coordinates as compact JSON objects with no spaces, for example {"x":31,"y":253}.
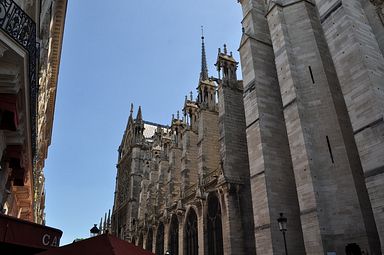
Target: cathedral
{"x":290,"y":159}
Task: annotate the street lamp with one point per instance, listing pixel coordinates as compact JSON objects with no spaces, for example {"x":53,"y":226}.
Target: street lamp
{"x":167,"y":253}
{"x":283,"y":228}
{"x":94,"y":231}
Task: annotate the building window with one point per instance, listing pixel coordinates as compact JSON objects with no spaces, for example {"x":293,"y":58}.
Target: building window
{"x":160,"y":240}
{"x":214,"y":227}
{"x":174,"y":236}
{"x":191,"y":242}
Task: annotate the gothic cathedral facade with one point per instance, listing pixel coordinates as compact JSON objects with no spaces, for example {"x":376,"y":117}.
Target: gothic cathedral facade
{"x":302,"y":134}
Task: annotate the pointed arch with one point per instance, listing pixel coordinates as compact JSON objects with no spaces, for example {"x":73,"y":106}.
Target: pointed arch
{"x":191,"y":246}
{"x":173,"y":241}
{"x":160,"y":239}
{"x":149,"y":242}
{"x":214,"y":226}
{"x":141,"y":240}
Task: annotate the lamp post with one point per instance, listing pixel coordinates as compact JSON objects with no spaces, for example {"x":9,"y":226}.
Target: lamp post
{"x":94,"y":231}
{"x":283,"y":228}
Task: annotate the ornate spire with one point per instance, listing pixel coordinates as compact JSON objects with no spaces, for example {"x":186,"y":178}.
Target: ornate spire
{"x":101,"y":225}
{"x":130,"y":119}
{"x":204,"y":69}
{"x":109,"y":220}
{"x":139,"y":116}
{"x":105,"y":223}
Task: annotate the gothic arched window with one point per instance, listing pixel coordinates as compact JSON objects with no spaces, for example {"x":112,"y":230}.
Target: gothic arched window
{"x":149,"y":240}
{"x":160,"y":240}
{"x":191,"y":245}
{"x":140,"y":244}
{"x":174,"y":236}
{"x":214,"y":227}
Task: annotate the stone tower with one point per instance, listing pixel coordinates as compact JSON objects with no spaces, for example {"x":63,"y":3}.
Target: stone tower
{"x":129,"y":176}
{"x":207,"y":121}
{"x":288,"y":61}
{"x":234,"y":179}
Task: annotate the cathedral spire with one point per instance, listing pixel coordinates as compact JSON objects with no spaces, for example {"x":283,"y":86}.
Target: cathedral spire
{"x":204,"y":69}
{"x":105,"y":223}
{"x":130,"y":119}
{"x":101,"y":225}
{"x":139,"y":116}
{"x":109,"y":220}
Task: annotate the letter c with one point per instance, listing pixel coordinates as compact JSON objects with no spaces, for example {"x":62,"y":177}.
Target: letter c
{"x":46,"y":239}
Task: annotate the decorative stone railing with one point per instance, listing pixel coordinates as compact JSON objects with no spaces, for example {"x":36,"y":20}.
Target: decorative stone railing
{"x":211,"y":177}
{"x":190,"y":191}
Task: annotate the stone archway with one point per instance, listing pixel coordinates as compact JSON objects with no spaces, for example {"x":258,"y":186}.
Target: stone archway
{"x":160,"y":239}
{"x":141,"y":240}
{"x":173,"y":241}
{"x":191,"y":246}
{"x":214,"y":226}
{"x":148,"y":245}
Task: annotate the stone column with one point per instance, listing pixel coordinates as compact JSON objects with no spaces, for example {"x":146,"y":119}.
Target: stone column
{"x":167,"y":232}
{"x":135,"y":178}
{"x":174,"y":175}
{"x":234,"y":166}
{"x":201,"y":226}
{"x":271,"y":174}
{"x":181,"y":219}
{"x":189,"y":173}
{"x":233,"y":234}
{"x":359,"y":62}
{"x":334,"y":203}
{"x":208,"y":141}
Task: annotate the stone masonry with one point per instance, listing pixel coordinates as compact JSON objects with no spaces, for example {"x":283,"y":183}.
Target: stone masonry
{"x":185,"y":187}
{"x":302,"y":134}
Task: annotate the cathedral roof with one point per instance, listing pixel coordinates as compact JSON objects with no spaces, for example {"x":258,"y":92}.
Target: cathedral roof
{"x":150,"y":129}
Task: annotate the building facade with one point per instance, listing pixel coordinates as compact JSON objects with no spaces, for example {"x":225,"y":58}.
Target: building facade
{"x":302,"y":134}
{"x":31,"y":34}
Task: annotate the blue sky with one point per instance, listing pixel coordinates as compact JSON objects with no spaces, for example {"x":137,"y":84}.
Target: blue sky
{"x":114,"y":53}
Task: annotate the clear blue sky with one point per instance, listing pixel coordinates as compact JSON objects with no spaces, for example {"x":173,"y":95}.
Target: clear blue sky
{"x":114,"y":53}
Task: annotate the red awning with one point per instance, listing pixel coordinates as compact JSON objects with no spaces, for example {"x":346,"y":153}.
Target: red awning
{"x":27,"y":237}
{"x":99,"y":245}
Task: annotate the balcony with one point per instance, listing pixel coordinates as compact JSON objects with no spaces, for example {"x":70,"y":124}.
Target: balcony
{"x":18,"y":106}
{"x":22,"y":29}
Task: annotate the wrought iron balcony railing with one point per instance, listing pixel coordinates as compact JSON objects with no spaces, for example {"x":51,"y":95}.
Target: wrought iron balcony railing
{"x":21,"y":28}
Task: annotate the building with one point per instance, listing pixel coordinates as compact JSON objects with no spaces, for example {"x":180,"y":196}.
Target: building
{"x":31,"y":34}
{"x":302,"y":134}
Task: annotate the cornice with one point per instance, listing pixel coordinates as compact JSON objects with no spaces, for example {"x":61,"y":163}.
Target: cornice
{"x":57,"y":33}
